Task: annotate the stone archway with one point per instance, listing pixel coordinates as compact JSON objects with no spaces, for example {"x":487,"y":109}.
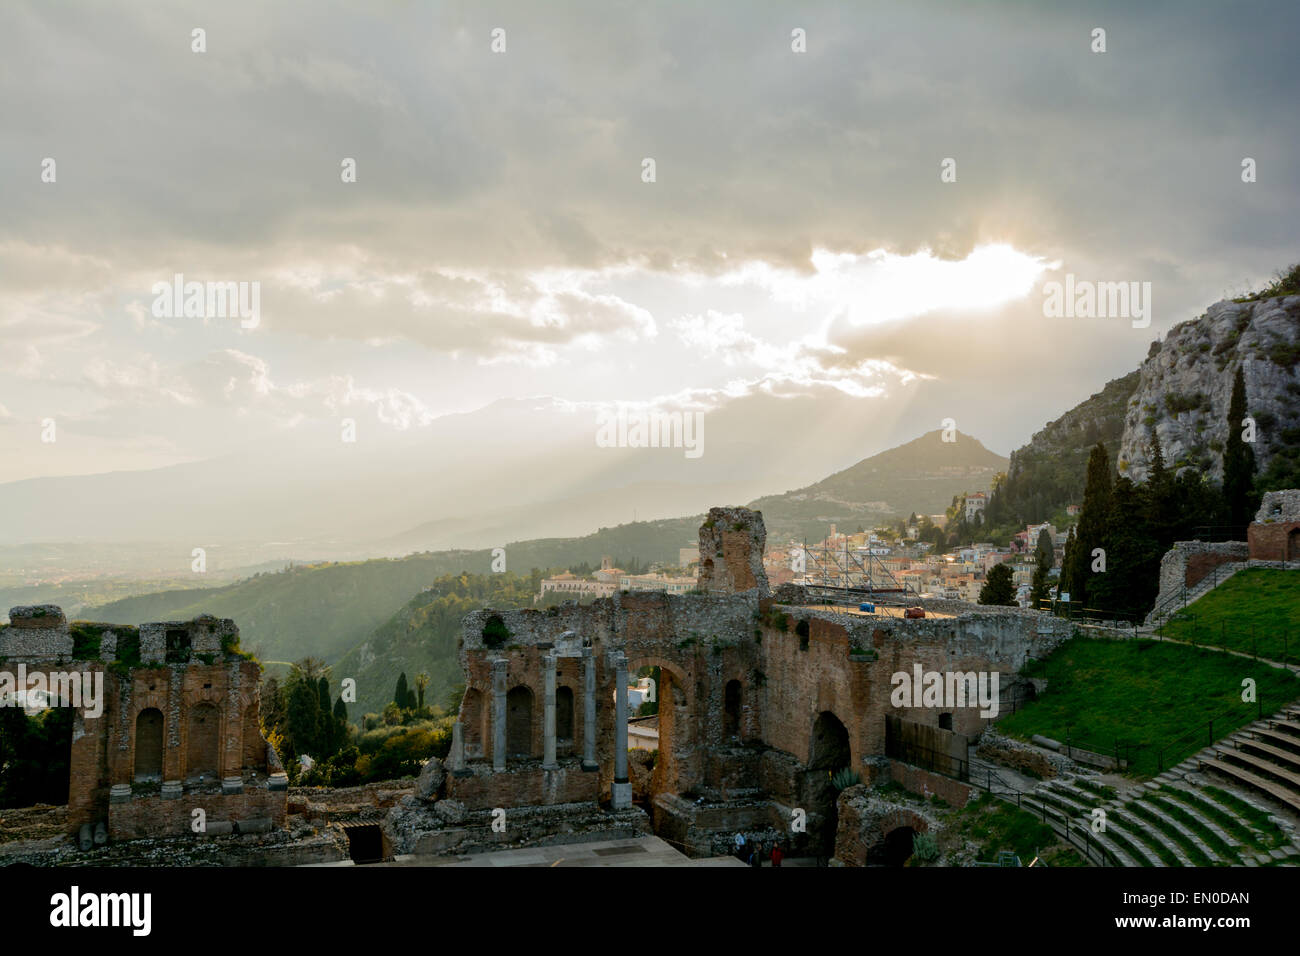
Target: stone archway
{"x":829,"y":751}
{"x":675,"y":724}
{"x":203,"y":743}
{"x":732,"y":707}
{"x":149,"y":745}
{"x":519,"y":722}
{"x":894,"y":850}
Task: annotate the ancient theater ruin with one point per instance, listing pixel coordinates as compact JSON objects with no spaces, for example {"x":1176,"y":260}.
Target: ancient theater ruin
{"x":174,"y":746}
{"x":762,"y":697}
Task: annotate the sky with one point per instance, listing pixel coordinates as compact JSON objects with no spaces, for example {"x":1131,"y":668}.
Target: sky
{"x":501,"y":241}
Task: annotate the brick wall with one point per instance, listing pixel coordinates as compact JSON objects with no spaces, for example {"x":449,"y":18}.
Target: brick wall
{"x":1278,"y":541}
{"x":150,"y":816}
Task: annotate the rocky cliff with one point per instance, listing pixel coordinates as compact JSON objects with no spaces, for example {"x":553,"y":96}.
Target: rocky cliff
{"x":1185,"y":385}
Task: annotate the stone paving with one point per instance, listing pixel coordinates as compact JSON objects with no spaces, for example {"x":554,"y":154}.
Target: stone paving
{"x":641,"y":851}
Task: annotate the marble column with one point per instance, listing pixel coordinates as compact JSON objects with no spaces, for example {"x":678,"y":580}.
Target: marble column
{"x":548,"y":712}
{"x":589,"y":711}
{"x":622,"y":791}
{"x":457,"y":747}
{"x":499,"y":714}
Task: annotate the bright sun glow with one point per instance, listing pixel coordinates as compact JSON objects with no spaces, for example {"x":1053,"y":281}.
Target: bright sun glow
{"x":882,"y":287}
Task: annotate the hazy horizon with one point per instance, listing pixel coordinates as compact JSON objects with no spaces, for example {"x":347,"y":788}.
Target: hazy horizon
{"x":457,"y":248}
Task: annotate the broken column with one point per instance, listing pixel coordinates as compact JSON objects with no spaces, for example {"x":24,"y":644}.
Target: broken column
{"x":499,"y":714}
{"x":457,"y":761}
{"x":548,"y":711}
{"x":589,"y":711}
{"x":622,"y":790}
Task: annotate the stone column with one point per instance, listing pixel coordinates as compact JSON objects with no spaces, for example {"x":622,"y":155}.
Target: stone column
{"x":589,"y":711}
{"x":548,"y":712}
{"x":622,"y":791}
{"x":457,"y":747}
{"x":499,"y":714}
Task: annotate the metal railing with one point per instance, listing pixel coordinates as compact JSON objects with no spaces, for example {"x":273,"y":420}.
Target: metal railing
{"x":1188,"y":742}
{"x":1076,"y":834}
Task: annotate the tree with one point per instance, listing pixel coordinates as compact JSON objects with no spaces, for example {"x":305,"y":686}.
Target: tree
{"x":302,"y":715}
{"x":1093,"y":522}
{"x":1129,"y":586}
{"x":421,"y":682}
{"x":998,"y":588}
{"x":401,"y":693}
{"x":1066,"y":581}
{"x":1238,"y":463}
{"x":1045,"y":558}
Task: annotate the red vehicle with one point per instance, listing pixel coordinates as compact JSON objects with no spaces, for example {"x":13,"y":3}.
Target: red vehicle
{"x":914,"y":612}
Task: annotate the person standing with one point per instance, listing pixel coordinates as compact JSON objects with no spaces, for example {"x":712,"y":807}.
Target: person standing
{"x":777,"y":855}
{"x":757,"y":858}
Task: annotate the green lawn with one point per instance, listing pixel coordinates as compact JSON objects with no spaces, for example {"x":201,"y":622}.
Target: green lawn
{"x":1148,"y":693}
{"x":1263,"y":599}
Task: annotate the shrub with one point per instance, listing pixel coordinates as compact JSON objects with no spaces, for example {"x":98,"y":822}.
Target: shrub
{"x":844,"y":778}
{"x":495,"y":632}
{"x":925,"y":847}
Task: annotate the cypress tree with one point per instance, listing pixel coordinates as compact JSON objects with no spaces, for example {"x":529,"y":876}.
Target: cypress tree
{"x":1046,"y":557}
{"x":401,"y":695}
{"x":1128,"y":588}
{"x":1238,"y":462}
{"x":1093,"y":522}
{"x":1066,"y":582}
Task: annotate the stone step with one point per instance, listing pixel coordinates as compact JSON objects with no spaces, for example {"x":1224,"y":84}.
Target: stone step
{"x":1255,"y":782}
{"x":1178,"y":826}
{"x":1147,"y":834}
{"x":1198,"y":814}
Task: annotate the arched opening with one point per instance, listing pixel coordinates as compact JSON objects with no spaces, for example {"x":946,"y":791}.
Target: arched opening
{"x":660,"y":735}
{"x":894,"y":850}
{"x":35,"y":754}
{"x":1293,"y":545}
{"x":519,"y":722}
{"x":495,"y":632}
{"x":149,"y":745}
{"x":731,"y":707}
{"x":802,"y":630}
{"x":830,"y":751}
{"x":203,"y":750}
{"x":471,"y":719}
{"x":830,"y":744}
{"x":564,"y":716}
{"x":945,"y":721}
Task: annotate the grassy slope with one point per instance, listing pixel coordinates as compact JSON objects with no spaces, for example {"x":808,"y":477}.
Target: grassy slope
{"x":1145,"y":692}
{"x":1255,"y":609}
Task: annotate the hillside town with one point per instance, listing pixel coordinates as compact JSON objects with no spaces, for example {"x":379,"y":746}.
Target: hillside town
{"x":880,"y":559}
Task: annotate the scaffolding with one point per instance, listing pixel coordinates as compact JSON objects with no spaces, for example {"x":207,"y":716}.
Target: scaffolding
{"x":851,"y":573}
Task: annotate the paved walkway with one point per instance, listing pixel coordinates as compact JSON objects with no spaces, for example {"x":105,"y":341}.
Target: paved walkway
{"x":637,"y":851}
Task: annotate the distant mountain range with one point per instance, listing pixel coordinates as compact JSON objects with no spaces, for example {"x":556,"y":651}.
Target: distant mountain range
{"x":921,"y":476}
